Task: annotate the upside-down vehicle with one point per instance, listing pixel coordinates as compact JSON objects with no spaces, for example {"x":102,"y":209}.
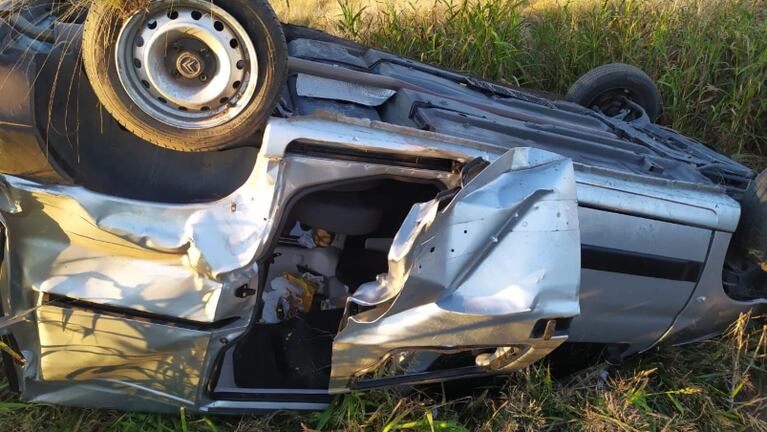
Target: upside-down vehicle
{"x":203,"y":207}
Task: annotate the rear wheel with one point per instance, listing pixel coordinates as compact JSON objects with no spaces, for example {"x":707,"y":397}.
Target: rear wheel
{"x":188,"y":75}
{"x":607,"y":89}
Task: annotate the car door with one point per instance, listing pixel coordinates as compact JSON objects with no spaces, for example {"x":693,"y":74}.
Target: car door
{"x":493,"y":267}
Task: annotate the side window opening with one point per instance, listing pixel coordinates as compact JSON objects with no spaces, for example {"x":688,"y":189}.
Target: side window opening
{"x":331,"y":242}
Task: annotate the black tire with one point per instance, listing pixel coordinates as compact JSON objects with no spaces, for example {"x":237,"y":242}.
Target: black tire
{"x":604,"y":87}
{"x":751,"y":236}
{"x":100,"y":33}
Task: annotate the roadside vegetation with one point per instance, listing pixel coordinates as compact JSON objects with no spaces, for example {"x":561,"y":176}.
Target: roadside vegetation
{"x":709,"y":58}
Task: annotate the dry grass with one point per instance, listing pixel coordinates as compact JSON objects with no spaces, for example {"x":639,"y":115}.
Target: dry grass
{"x":326,"y":14}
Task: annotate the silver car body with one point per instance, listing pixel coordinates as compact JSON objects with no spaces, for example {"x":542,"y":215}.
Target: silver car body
{"x":134,"y":304}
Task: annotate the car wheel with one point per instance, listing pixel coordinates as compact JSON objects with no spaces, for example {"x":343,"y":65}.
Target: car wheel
{"x":189,"y":75}
{"x":751,"y":237}
{"x":607,"y":88}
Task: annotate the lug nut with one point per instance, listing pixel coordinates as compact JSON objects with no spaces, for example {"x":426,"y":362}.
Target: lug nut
{"x":174,"y":72}
{"x":203,"y":77}
{"x":176,"y":47}
{"x":204,"y":52}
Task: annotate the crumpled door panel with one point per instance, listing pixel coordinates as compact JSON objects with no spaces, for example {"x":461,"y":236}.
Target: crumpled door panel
{"x":503,"y":255}
{"x":80,"y":347}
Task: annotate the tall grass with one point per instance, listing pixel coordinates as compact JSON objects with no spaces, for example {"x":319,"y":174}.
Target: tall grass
{"x":709,"y":57}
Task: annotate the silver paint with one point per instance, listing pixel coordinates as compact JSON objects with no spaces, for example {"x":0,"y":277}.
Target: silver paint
{"x":142,"y":357}
{"x":186,"y":261}
{"x":502,"y":255}
{"x":673,"y":201}
{"x":187,"y":103}
{"x":326,"y":88}
{"x":178,"y":261}
{"x":631,"y":309}
{"x":713,"y":310}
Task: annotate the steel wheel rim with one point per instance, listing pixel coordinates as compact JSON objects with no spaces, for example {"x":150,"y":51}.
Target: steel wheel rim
{"x":191,"y":66}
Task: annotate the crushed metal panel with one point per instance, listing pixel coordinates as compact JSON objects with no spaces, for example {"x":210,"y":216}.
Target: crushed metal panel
{"x":504,"y":254}
{"x":326,"y":88}
{"x":317,"y":49}
{"x":156,"y":360}
{"x":175,"y":260}
{"x":158,"y":258}
{"x":227,"y":234}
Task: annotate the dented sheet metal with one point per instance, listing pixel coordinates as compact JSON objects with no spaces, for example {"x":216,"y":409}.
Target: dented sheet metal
{"x":326,"y":88}
{"x":172,"y":260}
{"x":79,"y":346}
{"x":502,"y":255}
{"x":176,"y":260}
{"x":479,"y":271}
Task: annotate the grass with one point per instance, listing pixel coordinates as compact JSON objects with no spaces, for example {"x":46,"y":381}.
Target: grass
{"x":709,"y":58}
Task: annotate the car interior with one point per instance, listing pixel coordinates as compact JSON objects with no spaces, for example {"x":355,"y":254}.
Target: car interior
{"x":358,"y":221}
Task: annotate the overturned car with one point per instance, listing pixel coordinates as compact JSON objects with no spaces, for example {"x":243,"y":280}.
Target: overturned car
{"x":203,"y":207}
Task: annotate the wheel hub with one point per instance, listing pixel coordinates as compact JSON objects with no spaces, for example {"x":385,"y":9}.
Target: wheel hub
{"x":189,"y":64}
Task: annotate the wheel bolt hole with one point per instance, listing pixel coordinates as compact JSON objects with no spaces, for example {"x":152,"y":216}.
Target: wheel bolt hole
{"x":205,"y":108}
{"x":152,"y":25}
{"x":196,"y":15}
{"x":224,"y":100}
{"x":236,"y":84}
{"x":181,"y":108}
{"x":173,"y":14}
{"x":240,"y":64}
{"x":137,"y":63}
{"x":218,"y":26}
{"x":161,"y":99}
{"x":145,"y":83}
{"x":139,"y":41}
{"x":233,"y":43}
